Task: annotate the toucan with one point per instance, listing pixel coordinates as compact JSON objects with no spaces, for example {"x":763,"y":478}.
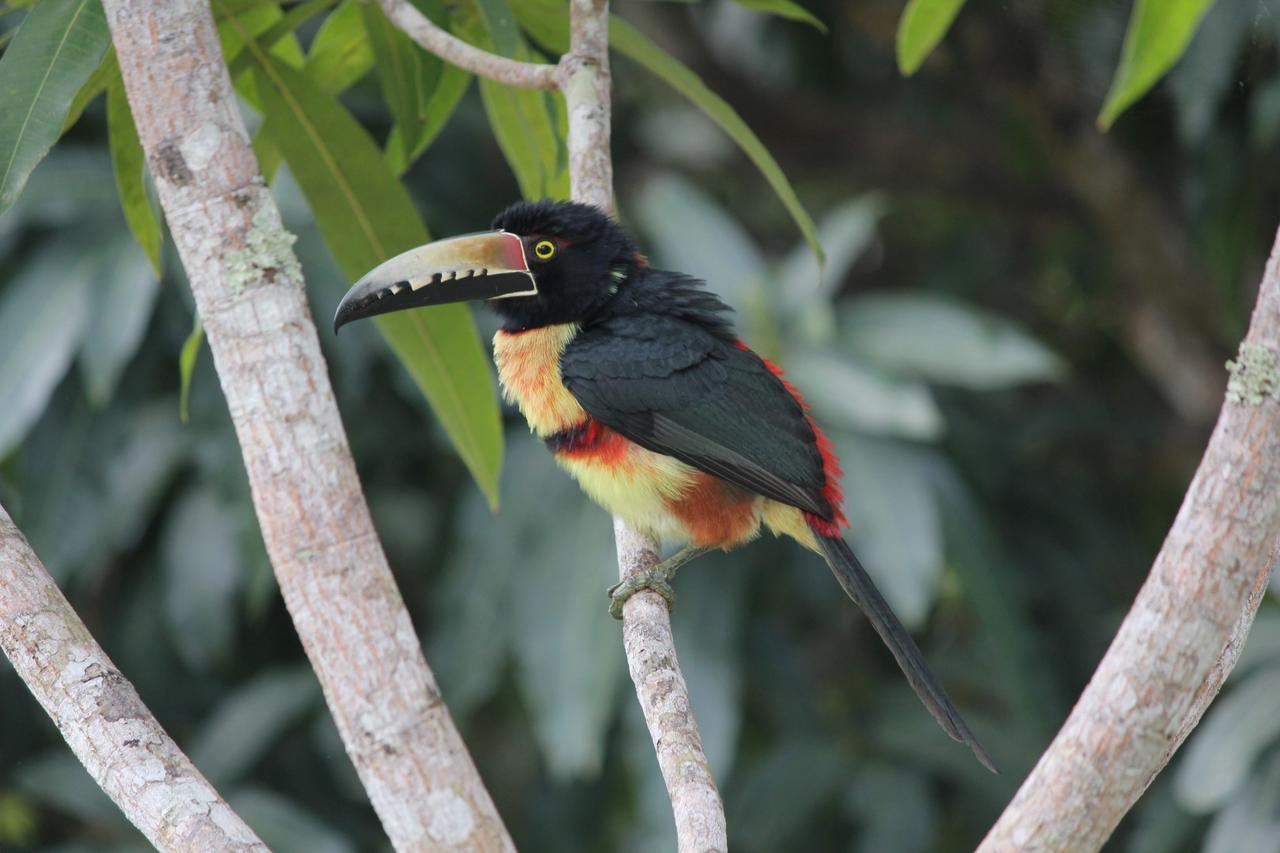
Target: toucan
{"x":636,"y":381}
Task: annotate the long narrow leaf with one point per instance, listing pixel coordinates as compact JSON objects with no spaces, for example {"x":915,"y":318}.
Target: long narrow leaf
{"x":784,"y":9}
{"x":446,"y":96}
{"x":366,"y":216}
{"x":548,"y":22}
{"x":1159,"y":32}
{"x":923,"y":24}
{"x":58,"y":47}
{"x":406,"y":74}
{"x":524,"y":121}
{"x":340,"y":53}
{"x":130,"y":168}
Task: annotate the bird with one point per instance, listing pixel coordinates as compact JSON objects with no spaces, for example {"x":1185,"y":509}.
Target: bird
{"x":636,"y":381}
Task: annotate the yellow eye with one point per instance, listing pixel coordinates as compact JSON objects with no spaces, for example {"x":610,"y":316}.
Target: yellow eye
{"x":544,"y":250}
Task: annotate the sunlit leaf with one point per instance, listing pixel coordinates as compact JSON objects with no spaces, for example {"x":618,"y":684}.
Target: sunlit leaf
{"x":784,"y":9}
{"x":278,"y":37}
{"x":1159,"y":31}
{"x":524,"y":121}
{"x":244,"y":725}
{"x":923,"y":24}
{"x":445,"y":97}
{"x":187,"y":365}
{"x":43,"y":312}
{"x":58,"y":47}
{"x":548,"y":22}
{"x":130,"y":168}
{"x":406,"y":74}
{"x":366,"y":216}
{"x":945,"y":341}
{"x":341,"y":53}
{"x":121,"y":297}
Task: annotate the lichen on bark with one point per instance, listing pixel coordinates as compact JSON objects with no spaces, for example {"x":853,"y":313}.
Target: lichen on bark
{"x":1255,"y":375}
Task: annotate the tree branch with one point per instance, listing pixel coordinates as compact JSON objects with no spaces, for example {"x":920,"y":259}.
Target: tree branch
{"x":583,"y":78}
{"x":326,"y":555}
{"x":1186,"y":627}
{"x":96,"y":709}
{"x":447,"y":46}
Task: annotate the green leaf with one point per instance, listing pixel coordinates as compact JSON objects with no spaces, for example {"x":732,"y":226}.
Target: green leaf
{"x":446,"y":96}
{"x":278,"y":37}
{"x":569,"y":664}
{"x":108,"y":70}
{"x":129,"y":163}
{"x":780,"y":793}
{"x":43,"y":311}
{"x":1159,"y":31}
{"x":121,"y":297}
{"x":923,"y":24}
{"x":406,"y":74}
{"x":1226,"y":746}
{"x":898,"y":529}
{"x":187,"y":365}
{"x":784,"y":9}
{"x":526,"y":123}
{"x":248,"y":722}
{"x":341,"y":53}
{"x":849,"y":395}
{"x":203,"y":568}
{"x":366,"y":216}
{"x":522,"y":125}
{"x":285,"y":826}
{"x":548,"y":22}
{"x":945,"y":341}
{"x":58,"y":47}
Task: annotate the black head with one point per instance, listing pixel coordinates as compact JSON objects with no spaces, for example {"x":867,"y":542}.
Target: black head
{"x":578,"y":255}
{"x":547,"y":262}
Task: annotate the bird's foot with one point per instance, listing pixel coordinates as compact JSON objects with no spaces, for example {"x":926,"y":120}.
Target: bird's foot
{"x":657,"y":579}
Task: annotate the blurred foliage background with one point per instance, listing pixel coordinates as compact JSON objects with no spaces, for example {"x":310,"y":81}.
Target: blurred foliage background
{"x":1017,"y":345}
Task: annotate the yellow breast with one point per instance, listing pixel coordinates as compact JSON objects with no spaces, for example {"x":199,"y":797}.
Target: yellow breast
{"x":529,"y":372}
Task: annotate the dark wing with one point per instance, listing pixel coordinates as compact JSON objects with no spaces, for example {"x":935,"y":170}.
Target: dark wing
{"x":673,"y":387}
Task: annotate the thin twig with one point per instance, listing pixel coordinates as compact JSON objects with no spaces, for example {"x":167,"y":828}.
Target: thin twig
{"x":583,"y":77}
{"x":326,"y":555}
{"x":513,"y":72}
{"x":1186,"y":628}
{"x":116,"y":738}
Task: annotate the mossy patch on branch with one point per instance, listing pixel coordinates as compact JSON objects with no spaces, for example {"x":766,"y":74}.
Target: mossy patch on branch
{"x":1255,"y":375}
{"x":267,"y":253}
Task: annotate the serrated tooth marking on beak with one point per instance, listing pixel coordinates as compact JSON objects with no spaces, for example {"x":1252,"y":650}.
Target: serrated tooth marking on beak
{"x":395,"y":288}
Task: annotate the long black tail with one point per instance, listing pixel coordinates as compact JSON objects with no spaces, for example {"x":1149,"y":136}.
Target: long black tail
{"x":858,"y":584}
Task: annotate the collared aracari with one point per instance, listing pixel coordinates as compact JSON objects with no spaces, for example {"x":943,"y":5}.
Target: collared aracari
{"x":638,"y":384}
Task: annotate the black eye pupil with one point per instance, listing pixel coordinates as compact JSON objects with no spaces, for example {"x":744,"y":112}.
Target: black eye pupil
{"x":544,"y":249}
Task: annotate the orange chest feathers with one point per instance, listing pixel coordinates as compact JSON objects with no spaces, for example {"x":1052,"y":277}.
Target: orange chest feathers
{"x":529,"y":372}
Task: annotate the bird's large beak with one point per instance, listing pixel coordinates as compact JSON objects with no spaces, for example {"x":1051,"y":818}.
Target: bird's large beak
{"x":487,"y":265}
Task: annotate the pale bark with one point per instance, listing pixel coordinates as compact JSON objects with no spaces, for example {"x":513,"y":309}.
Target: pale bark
{"x":447,"y":46}
{"x":326,"y":555}
{"x":584,"y":80}
{"x":1186,"y":627}
{"x":105,"y":723}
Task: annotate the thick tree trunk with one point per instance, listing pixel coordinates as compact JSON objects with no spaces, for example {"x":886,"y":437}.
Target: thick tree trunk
{"x":1186,"y":628}
{"x":96,"y":709}
{"x":315,"y":522}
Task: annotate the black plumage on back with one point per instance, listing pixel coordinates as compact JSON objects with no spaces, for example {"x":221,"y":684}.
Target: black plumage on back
{"x":662,"y":366}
